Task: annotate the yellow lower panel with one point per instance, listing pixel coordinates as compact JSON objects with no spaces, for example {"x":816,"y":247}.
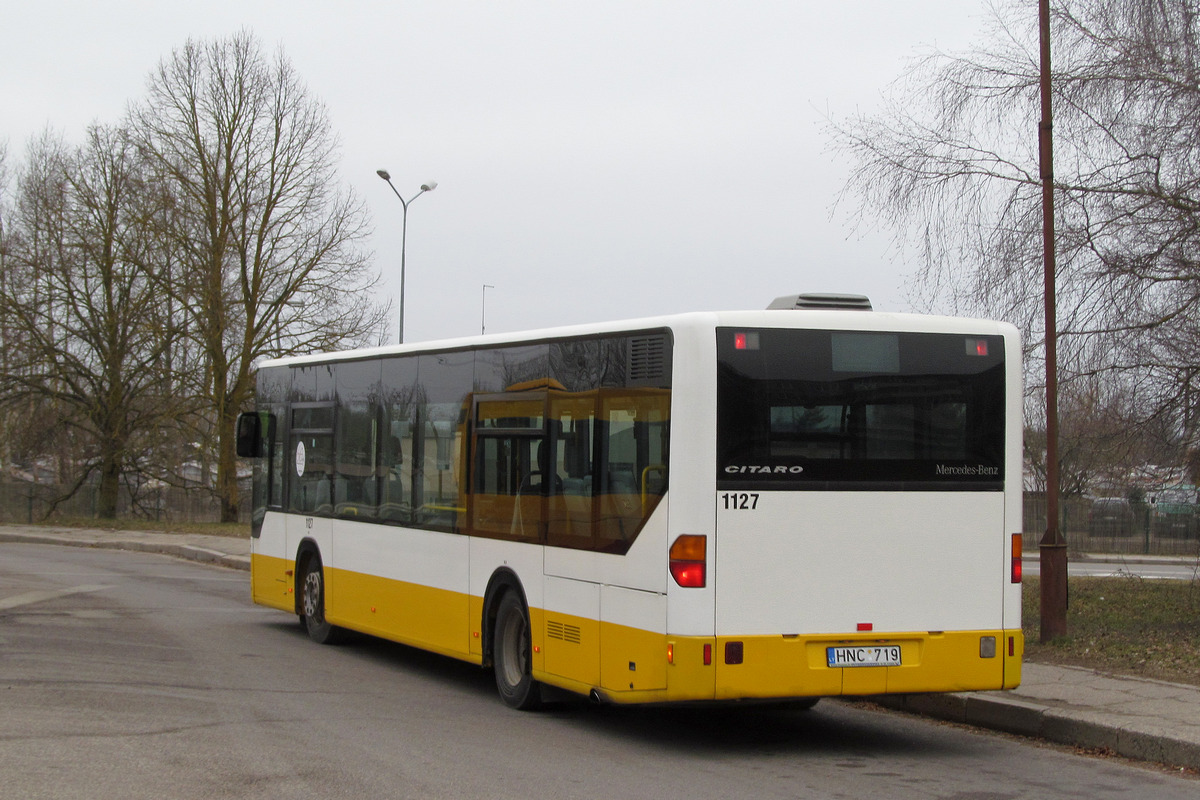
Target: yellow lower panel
{"x":632,"y":660}
{"x":570,"y":646}
{"x":582,"y":654}
{"x":271,"y":582}
{"x":433,"y":619}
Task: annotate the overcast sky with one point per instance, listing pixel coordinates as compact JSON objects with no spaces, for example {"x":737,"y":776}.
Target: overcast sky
{"x":595,"y":160}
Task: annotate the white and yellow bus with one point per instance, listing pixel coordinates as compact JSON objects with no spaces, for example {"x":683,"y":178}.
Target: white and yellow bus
{"x":789,"y":503}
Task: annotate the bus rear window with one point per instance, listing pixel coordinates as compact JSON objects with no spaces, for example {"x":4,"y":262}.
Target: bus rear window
{"x":808,"y":409}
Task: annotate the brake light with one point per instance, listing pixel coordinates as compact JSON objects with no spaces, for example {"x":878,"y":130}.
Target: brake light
{"x":1015,"y":577}
{"x":746,"y":341}
{"x":688,"y":561}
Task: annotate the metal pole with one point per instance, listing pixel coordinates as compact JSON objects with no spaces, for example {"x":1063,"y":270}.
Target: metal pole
{"x":425,"y":187}
{"x":1053,"y":547}
{"x":483,"y":309}
{"x":403,"y":247}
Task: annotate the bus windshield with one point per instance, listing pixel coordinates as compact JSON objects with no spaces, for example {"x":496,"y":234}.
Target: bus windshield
{"x":828,"y":410}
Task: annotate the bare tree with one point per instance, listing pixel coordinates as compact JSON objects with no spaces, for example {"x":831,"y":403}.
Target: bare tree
{"x":271,"y":245}
{"x":951,"y":167}
{"x":81,"y":310}
{"x":6,"y":417}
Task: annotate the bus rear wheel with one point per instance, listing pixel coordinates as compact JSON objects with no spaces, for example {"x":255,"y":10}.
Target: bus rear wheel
{"x":313,"y":605}
{"x":512,"y":657}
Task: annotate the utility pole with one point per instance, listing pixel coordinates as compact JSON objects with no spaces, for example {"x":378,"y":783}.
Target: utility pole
{"x":1053,"y":547}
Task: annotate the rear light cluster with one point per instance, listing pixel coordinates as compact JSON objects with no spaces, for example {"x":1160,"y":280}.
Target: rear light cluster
{"x":1015,"y":575}
{"x":689,"y":561}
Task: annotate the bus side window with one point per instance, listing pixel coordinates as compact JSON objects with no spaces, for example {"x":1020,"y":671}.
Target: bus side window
{"x":312,"y":480}
{"x":633,"y":468}
{"x":513,"y":468}
{"x":399,"y":445}
{"x":570,"y":509}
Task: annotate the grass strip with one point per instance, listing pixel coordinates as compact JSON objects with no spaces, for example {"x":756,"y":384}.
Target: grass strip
{"x":1127,"y":624}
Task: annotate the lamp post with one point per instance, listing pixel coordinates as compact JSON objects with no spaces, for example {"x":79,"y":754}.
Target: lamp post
{"x":425,"y":187}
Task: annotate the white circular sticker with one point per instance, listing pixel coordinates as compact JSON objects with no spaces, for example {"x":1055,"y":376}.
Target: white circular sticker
{"x":300,"y":459}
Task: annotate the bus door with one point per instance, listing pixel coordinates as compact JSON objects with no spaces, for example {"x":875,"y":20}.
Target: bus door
{"x":308,"y":466}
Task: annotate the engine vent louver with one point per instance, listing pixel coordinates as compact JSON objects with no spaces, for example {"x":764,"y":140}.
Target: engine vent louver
{"x":648,"y":360}
{"x":563,"y":632}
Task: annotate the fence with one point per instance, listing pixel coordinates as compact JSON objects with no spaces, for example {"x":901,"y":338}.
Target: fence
{"x":1096,"y":527}
{"x":22,"y":502}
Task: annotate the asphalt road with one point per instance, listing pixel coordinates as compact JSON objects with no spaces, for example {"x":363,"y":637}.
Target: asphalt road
{"x":129,"y":675}
{"x":1117,"y":567}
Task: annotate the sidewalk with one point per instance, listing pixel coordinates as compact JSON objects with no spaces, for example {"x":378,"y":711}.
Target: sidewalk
{"x":227,"y":551}
{"x":1131,"y":717}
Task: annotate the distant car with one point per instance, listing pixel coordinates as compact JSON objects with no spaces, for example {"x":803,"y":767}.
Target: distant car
{"x":1110,"y":516}
{"x":1174,"y":511}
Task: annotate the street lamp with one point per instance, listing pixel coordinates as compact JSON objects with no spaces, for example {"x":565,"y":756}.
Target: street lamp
{"x":425,"y":187}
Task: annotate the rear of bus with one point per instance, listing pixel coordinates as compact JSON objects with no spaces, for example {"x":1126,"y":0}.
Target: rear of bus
{"x":868,"y":506}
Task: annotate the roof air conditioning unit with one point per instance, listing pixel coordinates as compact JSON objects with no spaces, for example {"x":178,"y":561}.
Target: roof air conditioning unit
{"x":856,"y":302}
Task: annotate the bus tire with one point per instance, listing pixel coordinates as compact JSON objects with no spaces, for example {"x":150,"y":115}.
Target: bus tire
{"x":512,"y":658}
{"x":312,"y":604}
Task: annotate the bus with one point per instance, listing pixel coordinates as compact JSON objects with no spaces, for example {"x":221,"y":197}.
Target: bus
{"x":782,"y":504}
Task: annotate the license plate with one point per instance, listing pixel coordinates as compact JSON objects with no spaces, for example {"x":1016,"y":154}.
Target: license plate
{"x":887,"y":655}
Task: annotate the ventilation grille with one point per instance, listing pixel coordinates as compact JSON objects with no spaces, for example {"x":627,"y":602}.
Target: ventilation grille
{"x":647,"y":359}
{"x":810,"y":301}
{"x":562,"y":631}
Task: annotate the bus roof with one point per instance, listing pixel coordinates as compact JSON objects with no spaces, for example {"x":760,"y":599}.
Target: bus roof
{"x":836,"y":319}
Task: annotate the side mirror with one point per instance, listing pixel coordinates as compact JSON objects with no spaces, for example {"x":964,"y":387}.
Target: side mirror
{"x":249,"y":435}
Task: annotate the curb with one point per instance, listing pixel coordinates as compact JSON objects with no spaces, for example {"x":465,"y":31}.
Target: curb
{"x":1013,"y":715}
{"x":184,"y":551}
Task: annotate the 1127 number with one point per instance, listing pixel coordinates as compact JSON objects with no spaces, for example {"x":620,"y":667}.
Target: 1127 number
{"x":740,"y":501}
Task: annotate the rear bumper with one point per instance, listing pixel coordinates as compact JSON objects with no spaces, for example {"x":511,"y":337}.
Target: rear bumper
{"x":797,"y":666}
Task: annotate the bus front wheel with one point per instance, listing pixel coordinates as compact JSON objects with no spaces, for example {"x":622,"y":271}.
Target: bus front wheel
{"x":512,"y":658}
{"x":313,"y":604}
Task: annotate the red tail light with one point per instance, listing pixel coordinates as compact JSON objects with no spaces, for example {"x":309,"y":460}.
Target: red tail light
{"x":689,"y":561}
{"x":1016,"y":558}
